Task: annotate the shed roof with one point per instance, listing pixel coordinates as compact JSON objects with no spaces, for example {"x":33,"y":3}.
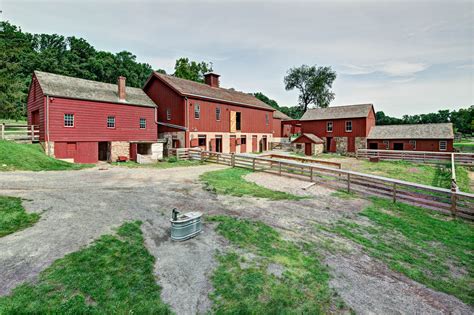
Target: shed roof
{"x":312,"y":137}
{"x":70,"y":87}
{"x":279,"y":115}
{"x":338,"y":112}
{"x":420,"y":131}
{"x":191,"y":88}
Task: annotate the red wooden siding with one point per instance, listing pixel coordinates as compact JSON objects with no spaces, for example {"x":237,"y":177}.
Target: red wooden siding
{"x":277,"y":128}
{"x":252,"y":119}
{"x":166,"y":99}
{"x":370,"y":122}
{"x":421,"y":144}
{"x":36,"y":102}
{"x":319,"y":127}
{"x":90,"y":121}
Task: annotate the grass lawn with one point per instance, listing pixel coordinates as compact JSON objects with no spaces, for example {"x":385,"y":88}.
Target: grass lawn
{"x":467,"y":147}
{"x":114,"y":275}
{"x":231,"y":182}
{"x":430,"y":248}
{"x":12,"y":122}
{"x":274,"y":277}
{"x":168,"y":163}
{"x":433,"y":175}
{"x":30,"y":157}
{"x":13,"y":216}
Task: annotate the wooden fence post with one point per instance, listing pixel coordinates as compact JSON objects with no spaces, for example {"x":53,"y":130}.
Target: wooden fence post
{"x":348,"y":182}
{"x":453,"y":203}
{"x":32,"y":133}
{"x":311,"y":173}
{"x":232,"y":159}
{"x":394,"y":192}
{"x":253,"y":164}
{"x":3,"y":132}
{"x":217,"y":158}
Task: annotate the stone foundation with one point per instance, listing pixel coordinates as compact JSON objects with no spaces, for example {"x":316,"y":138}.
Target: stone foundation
{"x":169,"y":136}
{"x":341,"y":144}
{"x":48,"y":150}
{"x":360,"y":143}
{"x":119,"y":148}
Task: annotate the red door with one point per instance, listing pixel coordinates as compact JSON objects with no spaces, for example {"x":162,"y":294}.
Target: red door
{"x":254,"y":143}
{"x":243,"y":144}
{"x":232,"y":144}
{"x":307,"y":149}
{"x":71,"y":150}
{"x":350,"y":144}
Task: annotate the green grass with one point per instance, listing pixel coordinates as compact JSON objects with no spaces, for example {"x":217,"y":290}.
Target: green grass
{"x":114,"y":275}
{"x":427,"y":247}
{"x":244,"y":285}
{"x":13,"y":216}
{"x":12,"y":122}
{"x":231,"y":182}
{"x":31,"y":157}
{"x":161,"y":165}
{"x":433,"y":175}
{"x":464,"y":146}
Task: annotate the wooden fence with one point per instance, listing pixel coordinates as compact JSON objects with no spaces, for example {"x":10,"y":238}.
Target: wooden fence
{"x":465,"y":159}
{"x":446,"y":201}
{"x":302,"y":159}
{"x":19,"y":132}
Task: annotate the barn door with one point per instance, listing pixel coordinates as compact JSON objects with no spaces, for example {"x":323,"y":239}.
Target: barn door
{"x":350,"y":144}
{"x":233,"y":121}
{"x":307,"y":149}
{"x":71,"y":149}
{"x":232,"y":144}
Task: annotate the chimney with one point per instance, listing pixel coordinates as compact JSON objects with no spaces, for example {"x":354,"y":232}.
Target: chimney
{"x":212,"y":79}
{"x":121,"y":88}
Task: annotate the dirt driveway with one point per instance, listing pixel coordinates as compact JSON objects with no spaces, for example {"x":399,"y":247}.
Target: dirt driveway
{"x":79,"y":206}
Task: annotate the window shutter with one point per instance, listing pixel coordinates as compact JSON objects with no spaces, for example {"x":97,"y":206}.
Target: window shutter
{"x":233,"y":121}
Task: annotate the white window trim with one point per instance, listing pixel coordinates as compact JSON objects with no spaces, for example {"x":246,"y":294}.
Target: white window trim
{"x":168,"y":114}
{"x":113,"y":117}
{"x":445,"y":145}
{"x":348,"y":121}
{"x":327,"y":126}
{"x":140,"y":123}
{"x":73,"y":120}
{"x":197,"y":110}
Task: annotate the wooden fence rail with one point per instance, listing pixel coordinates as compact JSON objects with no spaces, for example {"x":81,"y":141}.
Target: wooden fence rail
{"x":446,"y":201}
{"x":19,"y":132}
{"x":465,"y":159}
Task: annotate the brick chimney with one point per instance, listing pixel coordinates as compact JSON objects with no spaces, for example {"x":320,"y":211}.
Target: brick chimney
{"x":121,"y":88}
{"x":212,"y":79}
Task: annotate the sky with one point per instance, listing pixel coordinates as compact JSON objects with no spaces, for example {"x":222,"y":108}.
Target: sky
{"x":405,"y":57}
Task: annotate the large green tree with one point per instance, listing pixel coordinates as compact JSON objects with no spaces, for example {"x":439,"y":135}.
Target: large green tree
{"x":191,"y":70}
{"x":294,"y":112}
{"x":314,"y":84}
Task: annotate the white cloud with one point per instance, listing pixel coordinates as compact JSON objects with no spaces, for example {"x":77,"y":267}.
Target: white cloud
{"x":391,"y":68}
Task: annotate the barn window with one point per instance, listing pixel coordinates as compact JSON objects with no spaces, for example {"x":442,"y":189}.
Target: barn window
{"x":349,"y":126}
{"x":443,"y":145}
{"x":68,"y":120}
{"x":202,"y":140}
{"x":218,"y":113}
{"x":413,"y":144}
{"x":329,"y":126}
{"x":111,"y":122}
{"x":387,"y":144}
{"x":168,"y":114}
{"x":142,"y":123}
{"x":197,"y":111}
{"x":243,"y":140}
{"x":267,"y":119}
{"x":238,"y":121}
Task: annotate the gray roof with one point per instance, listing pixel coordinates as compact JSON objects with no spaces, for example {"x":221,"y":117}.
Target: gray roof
{"x":338,"y":112}
{"x":310,"y":136}
{"x":279,"y":115}
{"x":70,"y":87}
{"x":191,"y":88}
{"x":422,"y":131}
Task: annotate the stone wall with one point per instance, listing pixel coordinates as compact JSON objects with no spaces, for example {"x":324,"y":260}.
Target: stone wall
{"x":341,"y":144}
{"x":169,"y":136}
{"x":119,"y":148}
{"x":360,"y":143}
{"x":318,"y":148}
{"x":45,"y":145}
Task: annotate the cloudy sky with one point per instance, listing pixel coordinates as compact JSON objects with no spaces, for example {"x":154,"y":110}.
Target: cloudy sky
{"x":405,"y":57}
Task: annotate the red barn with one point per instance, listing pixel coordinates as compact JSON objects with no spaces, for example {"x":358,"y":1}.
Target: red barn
{"x":280,"y":129}
{"x":342,"y":128}
{"x":291,"y":127}
{"x":425,"y":137}
{"x":87,"y":121}
{"x":193,"y":114}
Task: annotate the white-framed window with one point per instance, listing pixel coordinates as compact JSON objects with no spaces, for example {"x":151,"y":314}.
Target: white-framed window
{"x":443,"y":145}
{"x":142,"y":123}
{"x":110,"y":121}
{"x":197,"y":111}
{"x":68,"y":120}
{"x":413,"y":144}
{"x":329,"y":126}
{"x":267,"y":119}
{"x":387,"y":144}
{"x":218,"y":113}
{"x":168,"y":114}
{"x":349,"y":126}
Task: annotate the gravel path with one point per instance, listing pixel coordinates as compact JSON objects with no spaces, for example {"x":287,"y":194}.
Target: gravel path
{"x":79,"y":206}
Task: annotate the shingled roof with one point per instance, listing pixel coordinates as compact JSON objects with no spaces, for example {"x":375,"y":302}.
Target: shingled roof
{"x":70,"y":87}
{"x":338,"y":112}
{"x":312,"y":137}
{"x":422,"y":131}
{"x":279,"y":115}
{"x":195,"y":89}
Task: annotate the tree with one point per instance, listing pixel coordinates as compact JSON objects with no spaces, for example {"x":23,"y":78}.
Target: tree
{"x":191,"y":70}
{"x":293,"y":112}
{"x":314,"y":84}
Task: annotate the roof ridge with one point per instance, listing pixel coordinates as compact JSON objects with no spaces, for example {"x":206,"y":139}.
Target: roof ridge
{"x":349,"y":105}
{"x":424,"y":124}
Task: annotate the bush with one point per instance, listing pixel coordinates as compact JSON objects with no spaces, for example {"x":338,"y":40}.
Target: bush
{"x":172,"y":159}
